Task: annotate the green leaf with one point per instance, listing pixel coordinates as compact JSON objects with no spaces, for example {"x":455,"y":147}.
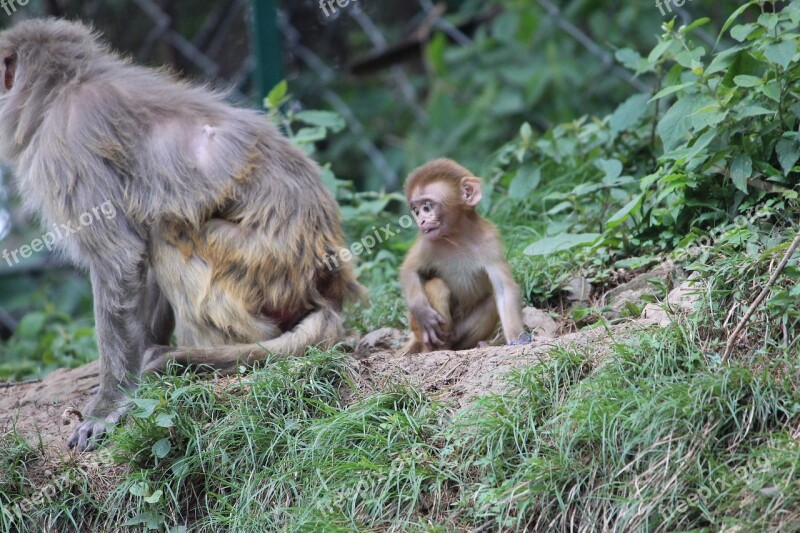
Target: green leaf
{"x":140,"y":488}
{"x":659,"y":50}
{"x":781,"y":53}
{"x":611,"y":167}
{"x":153,"y":498}
{"x":436,"y":53}
{"x":747,"y":81}
{"x":626,"y":212}
{"x":709,"y":115}
{"x":672,"y":89}
{"x":733,"y":18}
{"x":753,"y":111}
{"x":724,"y":59}
{"x":788,"y":151}
{"x":632,"y":60}
{"x":741,"y":31}
{"x":696,"y":24}
{"x":144,"y":407}
{"x":310,"y":135}
{"x":676,"y":124}
{"x":628,"y":114}
{"x":562,"y":242}
{"x":326,"y":119}
{"x":276,"y":95}
{"x":30,"y":326}
{"x":161,"y":448}
{"x":741,"y":170}
{"x":769,"y":21}
{"x":164,"y":420}
{"x":526,"y":180}
{"x":772,"y":90}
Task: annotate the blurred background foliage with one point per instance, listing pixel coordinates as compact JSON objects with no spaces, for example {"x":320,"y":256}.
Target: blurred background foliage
{"x":552,"y":104}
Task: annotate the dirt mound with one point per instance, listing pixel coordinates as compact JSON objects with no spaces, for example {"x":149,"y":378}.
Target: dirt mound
{"x":462,"y":376}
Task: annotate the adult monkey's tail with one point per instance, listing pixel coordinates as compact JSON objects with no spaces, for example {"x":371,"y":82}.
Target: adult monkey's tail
{"x":320,"y":328}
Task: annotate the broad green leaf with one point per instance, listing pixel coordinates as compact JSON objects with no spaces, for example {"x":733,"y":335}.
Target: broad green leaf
{"x":659,"y":50}
{"x":669,"y":90}
{"x":747,"y":81}
{"x":628,"y":114}
{"x":611,"y":167}
{"x":781,"y":53}
{"x":30,"y":326}
{"x":526,"y":180}
{"x":754,"y":111}
{"x":788,"y":151}
{"x":741,"y":31}
{"x":310,"y":135}
{"x":744,"y":64}
{"x":161,"y":448}
{"x":626,"y":212}
{"x":140,"y":488}
{"x":741,"y":170}
{"x":326,"y":119}
{"x":709,"y":115}
{"x":632,"y":60}
{"x":153,"y":498}
{"x":144,"y":407}
{"x":769,"y":21}
{"x":560,"y":243}
{"x":724,"y":59}
{"x":735,"y":16}
{"x":772,"y":90}
{"x":558,"y":208}
{"x":276,"y":95}
{"x":164,"y":420}
{"x":676,"y":124}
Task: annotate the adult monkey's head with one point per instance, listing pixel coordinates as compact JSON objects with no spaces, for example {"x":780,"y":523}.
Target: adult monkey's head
{"x":38,"y":58}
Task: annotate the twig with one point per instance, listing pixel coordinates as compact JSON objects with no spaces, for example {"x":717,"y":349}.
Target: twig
{"x":760,"y":298}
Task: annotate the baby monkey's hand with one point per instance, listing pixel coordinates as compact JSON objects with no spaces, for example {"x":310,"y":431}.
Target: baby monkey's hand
{"x":432,"y":325}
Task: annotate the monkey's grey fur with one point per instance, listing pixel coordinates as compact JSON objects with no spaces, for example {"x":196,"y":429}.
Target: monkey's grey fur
{"x":221,"y":223}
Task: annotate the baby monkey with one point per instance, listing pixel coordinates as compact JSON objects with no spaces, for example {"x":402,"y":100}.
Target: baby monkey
{"x":455,"y":279}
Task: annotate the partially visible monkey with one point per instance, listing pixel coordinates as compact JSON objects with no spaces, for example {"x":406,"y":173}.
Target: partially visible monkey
{"x":221,"y":224}
{"x":455,"y":279}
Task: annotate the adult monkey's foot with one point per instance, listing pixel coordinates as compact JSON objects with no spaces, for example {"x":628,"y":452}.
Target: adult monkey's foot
{"x":90,"y":432}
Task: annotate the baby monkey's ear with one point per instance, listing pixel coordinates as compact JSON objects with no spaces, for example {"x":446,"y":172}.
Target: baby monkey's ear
{"x":471,"y":191}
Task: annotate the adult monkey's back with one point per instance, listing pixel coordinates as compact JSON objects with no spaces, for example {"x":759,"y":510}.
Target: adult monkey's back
{"x":221,"y":223}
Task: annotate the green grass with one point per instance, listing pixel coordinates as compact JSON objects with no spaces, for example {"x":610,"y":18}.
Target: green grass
{"x":659,"y":437}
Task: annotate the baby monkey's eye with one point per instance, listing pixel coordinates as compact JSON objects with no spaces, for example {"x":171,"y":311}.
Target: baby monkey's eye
{"x":427,"y":207}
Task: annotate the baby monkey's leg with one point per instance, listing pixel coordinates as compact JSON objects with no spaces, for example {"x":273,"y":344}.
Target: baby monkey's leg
{"x":438,"y":294}
{"x":478,"y":326}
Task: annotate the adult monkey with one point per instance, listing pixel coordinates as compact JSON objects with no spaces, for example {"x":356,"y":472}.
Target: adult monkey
{"x":221,"y":223}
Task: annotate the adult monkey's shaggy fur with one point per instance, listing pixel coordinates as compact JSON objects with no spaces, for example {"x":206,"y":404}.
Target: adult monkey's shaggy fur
{"x":221,"y":223}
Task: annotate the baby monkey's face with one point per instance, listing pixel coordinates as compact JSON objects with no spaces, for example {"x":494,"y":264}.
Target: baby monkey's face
{"x":428,"y":204}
